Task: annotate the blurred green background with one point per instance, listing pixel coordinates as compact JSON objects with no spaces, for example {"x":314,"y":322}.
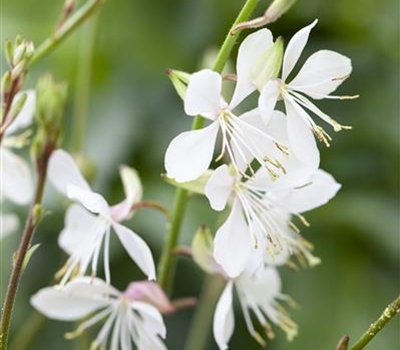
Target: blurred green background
{"x":134,"y":113}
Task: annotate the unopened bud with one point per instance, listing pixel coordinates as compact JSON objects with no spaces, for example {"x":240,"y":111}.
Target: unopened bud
{"x":19,"y":53}
{"x":9,"y":49}
{"x":18,"y":69}
{"x":202,"y":250}
{"x":180,"y":80}
{"x":17,"y":106}
{"x":268,"y":65}
{"x":277,"y":9}
{"x":6,"y":83}
{"x":18,"y":40}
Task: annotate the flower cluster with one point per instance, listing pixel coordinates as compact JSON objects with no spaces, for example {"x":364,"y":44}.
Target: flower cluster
{"x":269,"y":174}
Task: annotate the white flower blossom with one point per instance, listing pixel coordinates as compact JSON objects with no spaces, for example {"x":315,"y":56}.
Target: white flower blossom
{"x":89,"y":224}
{"x":16,"y":182}
{"x":320,"y":75}
{"x":260,"y":216}
{"x":189,"y":154}
{"x":127,"y":320}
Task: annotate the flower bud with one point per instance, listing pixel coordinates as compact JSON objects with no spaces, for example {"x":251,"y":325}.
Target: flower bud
{"x":19,"y":53}
{"x":179,"y":80}
{"x":268,"y":65}
{"x":9,"y":49}
{"x":6,"y":83}
{"x":202,"y":250}
{"x":277,"y":9}
{"x":18,"y":69}
{"x":17,"y":106}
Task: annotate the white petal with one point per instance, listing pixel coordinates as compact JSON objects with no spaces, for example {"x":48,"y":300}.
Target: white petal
{"x":81,"y":228}
{"x":90,"y":200}
{"x":151,"y":318}
{"x":203,"y":94}
{"x":301,"y":139}
{"x":224,"y":321}
{"x":26,"y":114}
{"x":249,"y":51}
{"x":63,"y":171}
{"x":137,"y":249}
{"x":322,"y":73}
{"x":77,"y":299}
{"x":8,"y":224}
{"x":219,"y":187}
{"x":16,"y":180}
{"x":322,"y":187}
{"x":268,"y":98}
{"x":190,"y":153}
{"x":232,"y":244}
{"x":295,"y":48}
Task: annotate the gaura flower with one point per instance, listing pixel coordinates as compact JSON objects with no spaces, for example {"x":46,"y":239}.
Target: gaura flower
{"x":128,"y":320}
{"x":258,"y":290}
{"x":89,"y":224}
{"x":259,"y":220}
{"x":16,"y":182}
{"x":8,"y":224}
{"x":189,"y":154}
{"x":320,"y":75}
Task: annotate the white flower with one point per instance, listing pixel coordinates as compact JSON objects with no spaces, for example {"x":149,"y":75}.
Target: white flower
{"x":15,"y":176}
{"x":260,"y":216}
{"x":320,"y":75}
{"x":259,"y":295}
{"x":8,"y":224}
{"x":87,"y":228}
{"x":189,"y":154}
{"x":127,"y":320}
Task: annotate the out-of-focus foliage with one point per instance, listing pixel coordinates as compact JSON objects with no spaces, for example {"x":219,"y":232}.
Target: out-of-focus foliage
{"x":134,"y":113}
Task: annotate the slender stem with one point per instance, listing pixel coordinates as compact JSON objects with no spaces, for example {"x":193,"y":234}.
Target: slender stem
{"x":73,"y":22}
{"x":390,"y":311}
{"x":200,"y":327}
{"x":30,"y":226}
{"x":84,"y":76}
{"x":167,"y":263}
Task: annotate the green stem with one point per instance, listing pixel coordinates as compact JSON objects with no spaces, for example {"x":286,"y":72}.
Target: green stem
{"x":19,"y":261}
{"x":73,"y":22}
{"x":390,"y":311}
{"x":200,"y":327}
{"x":84,"y":76}
{"x":167,"y":263}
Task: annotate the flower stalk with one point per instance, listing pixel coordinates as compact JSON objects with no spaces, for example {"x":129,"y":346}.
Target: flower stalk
{"x":167,"y":261}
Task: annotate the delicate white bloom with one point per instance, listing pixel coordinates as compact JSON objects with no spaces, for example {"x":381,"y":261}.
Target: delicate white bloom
{"x":320,"y":75}
{"x":8,"y":224}
{"x":259,"y":295}
{"x":258,"y":289}
{"x":88,"y":225}
{"x":260,"y":216}
{"x":128,"y":320}
{"x":16,"y":182}
{"x":189,"y":154}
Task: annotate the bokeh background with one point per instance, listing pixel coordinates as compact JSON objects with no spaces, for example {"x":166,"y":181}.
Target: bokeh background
{"x":134,"y":113}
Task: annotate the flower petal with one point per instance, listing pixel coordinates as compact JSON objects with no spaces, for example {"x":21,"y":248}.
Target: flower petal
{"x":295,"y":48}
{"x":224,"y":321}
{"x":77,"y":299}
{"x":8,"y":224}
{"x":92,"y":201}
{"x":26,"y":114}
{"x":16,"y":180}
{"x":219,"y":187}
{"x":268,"y":98}
{"x":203,"y":94}
{"x":63,"y":171}
{"x":137,"y":249}
{"x":301,"y":139}
{"x":249,"y":51}
{"x":322,"y":187}
{"x":233,"y":243}
{"x":322,"y":73}
{"x":190,"y":153}
{"x":151,"y":317}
